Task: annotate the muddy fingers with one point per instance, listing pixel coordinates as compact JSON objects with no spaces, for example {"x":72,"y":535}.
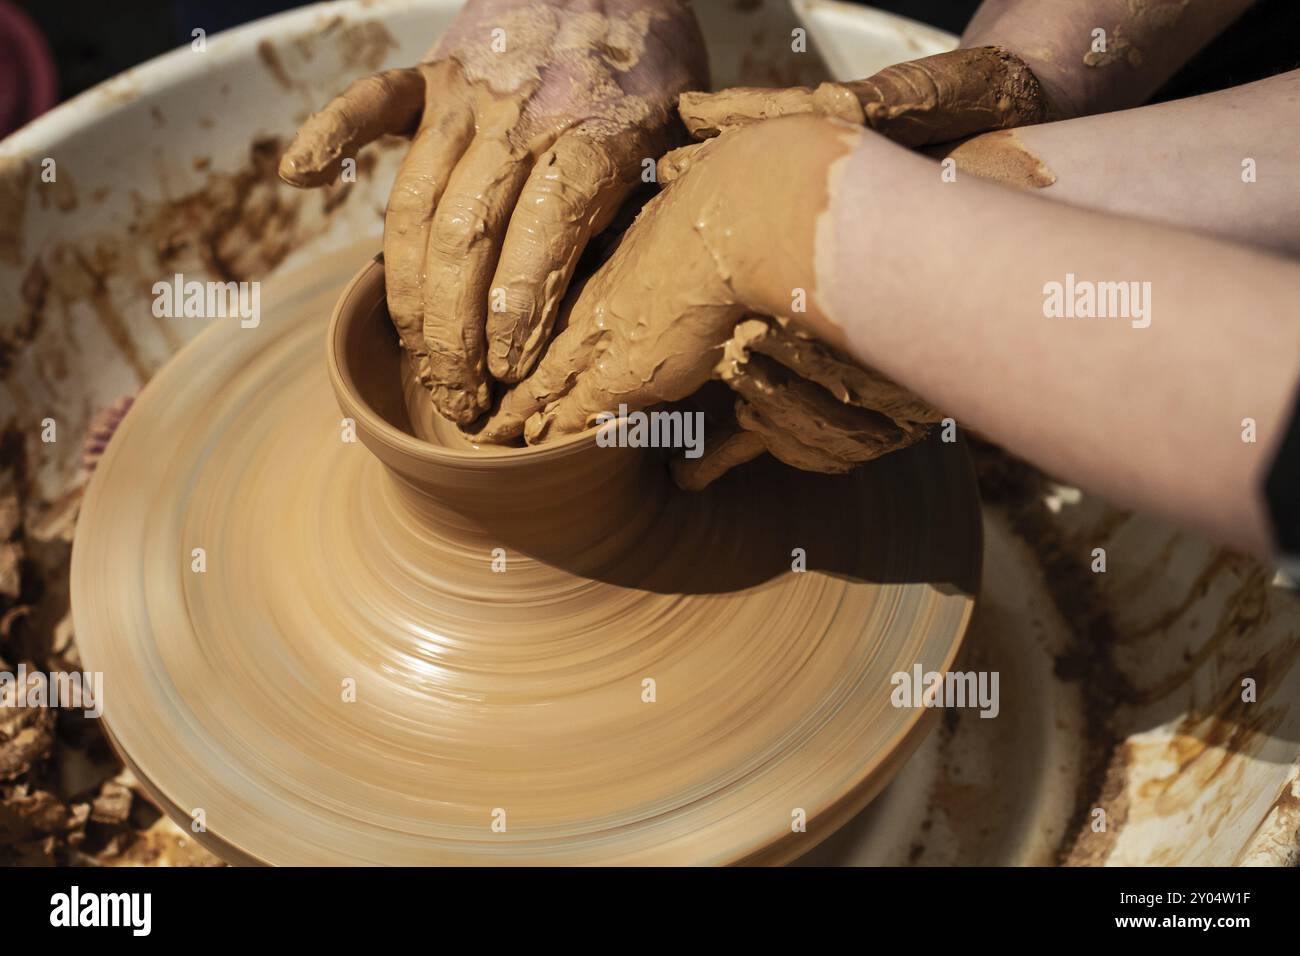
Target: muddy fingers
{"x":374,"y":106}
{"x":935,"y":99}
{"x":573,"y":192}
{"x":464,"y":245}
{"x":847,"y":380}
{"x":447,"y":130}
{"x":722,"y":452}
{"x":804,"y":425}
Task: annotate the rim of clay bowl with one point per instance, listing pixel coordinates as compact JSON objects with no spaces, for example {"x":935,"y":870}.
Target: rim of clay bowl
{"x":355,"y":304}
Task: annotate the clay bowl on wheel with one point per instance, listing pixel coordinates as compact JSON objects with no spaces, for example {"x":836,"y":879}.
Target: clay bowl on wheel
{"x":404,"y":651}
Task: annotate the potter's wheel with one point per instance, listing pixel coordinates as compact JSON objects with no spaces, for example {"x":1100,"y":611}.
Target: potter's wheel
{"x":499,"y":716}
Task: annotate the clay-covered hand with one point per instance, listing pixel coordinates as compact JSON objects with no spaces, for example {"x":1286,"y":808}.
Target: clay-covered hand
{"x":676,"y":306}
{"x":936,"y":99}
{"x":532,"y":120}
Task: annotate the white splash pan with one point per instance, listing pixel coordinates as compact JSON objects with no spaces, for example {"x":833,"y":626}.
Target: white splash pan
{"x":1183,"y":774}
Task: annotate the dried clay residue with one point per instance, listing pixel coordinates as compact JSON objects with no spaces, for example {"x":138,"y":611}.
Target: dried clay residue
{"x":362,"y":47}
{"x":31,"y":309}
{"x":1207,"y":742}
{"x":365,"y":45}
{"x":65,"y":799}
{"x":16,"y":176}
{"x":238,"y":226}
{"x":1145,"y":20}
{"x":270,"y":57}
{"x":1204,"y":754}
{"x":1003,"y":157}
{"x":1019,"y":489}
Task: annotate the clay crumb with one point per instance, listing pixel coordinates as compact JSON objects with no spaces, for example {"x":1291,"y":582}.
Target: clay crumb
{"x":16,"y":175}
{"x":365,"y":46}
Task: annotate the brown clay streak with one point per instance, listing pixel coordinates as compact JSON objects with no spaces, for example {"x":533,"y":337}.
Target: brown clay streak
{"x":935,"y":99}
{"x":1001,"y":156}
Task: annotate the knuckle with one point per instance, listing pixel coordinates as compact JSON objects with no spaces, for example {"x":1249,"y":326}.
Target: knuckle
{"x":553,"y":198}
{"x":408,"y":195}
{"x":457,"y":225}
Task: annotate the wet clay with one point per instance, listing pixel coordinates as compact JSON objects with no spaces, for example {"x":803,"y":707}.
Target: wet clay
{"x":931,"y":100}
{"x":799,"y":426}
{"x":532,"y":125}
{"x":708,"y":114}
{"x":812,"y":407}
{"x":387,"y":102}
{"x":662,"y":318}
{"x":846,"y":379}
{"x":1004,"y":158}
{"x":653,"y":324}
{"x":400,"y":653}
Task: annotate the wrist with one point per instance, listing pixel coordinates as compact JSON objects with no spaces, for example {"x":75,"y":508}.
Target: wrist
{"x":763,"y":207}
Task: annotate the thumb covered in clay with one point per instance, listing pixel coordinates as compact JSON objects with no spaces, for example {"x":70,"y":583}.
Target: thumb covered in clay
{"x":935,"y":99}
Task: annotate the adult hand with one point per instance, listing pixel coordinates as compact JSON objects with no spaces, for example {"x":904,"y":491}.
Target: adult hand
{"x":730,"y":239}
{"x":532,"y":120}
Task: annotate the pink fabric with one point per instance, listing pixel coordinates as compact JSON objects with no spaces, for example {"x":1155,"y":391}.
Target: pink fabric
{"x":29,"y":84}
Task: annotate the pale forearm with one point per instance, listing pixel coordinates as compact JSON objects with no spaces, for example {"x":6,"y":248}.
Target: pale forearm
{"x":1220,"y":163}
{"x":1146,"y":41}
{"x":949,"y":300}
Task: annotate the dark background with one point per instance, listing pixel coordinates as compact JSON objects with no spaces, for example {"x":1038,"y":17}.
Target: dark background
{"x":94,"y":39}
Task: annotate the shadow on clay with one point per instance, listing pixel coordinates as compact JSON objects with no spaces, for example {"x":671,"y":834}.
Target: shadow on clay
{"x":615,"y":515}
